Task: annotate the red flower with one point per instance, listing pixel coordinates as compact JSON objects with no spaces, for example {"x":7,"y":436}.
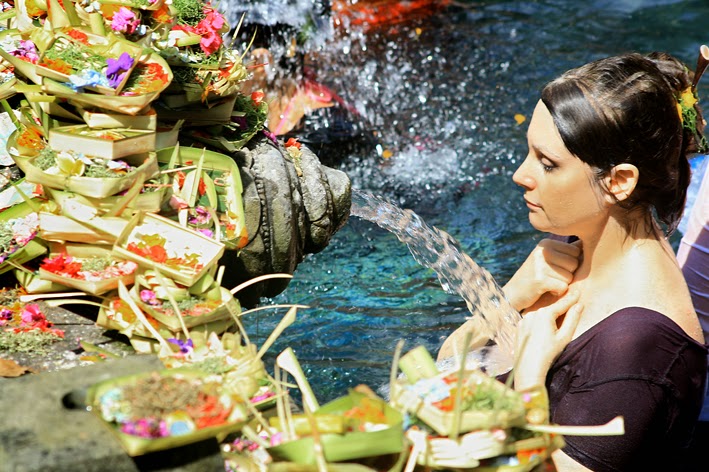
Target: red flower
{"x":257,"y":97}
{"x":55,"y":264}
{"x":180,"y":179}
{"x":292,"y":142}
{"x":61,"y":264}
{"x":31,"y":314}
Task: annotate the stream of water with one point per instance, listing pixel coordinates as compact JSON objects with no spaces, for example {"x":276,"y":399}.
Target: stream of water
{"x":456,"y":271}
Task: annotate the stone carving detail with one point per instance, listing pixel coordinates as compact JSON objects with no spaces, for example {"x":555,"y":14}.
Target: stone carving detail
{"x":292,"y":209}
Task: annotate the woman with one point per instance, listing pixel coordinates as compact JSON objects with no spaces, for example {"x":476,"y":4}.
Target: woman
{"x":608,"y":324}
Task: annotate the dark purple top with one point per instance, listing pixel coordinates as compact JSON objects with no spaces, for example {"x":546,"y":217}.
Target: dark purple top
{"x":636,"y":363}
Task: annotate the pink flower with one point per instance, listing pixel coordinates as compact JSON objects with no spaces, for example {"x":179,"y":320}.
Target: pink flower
{"x":149,"y":297}
{"x":125,"y":21}
{"x":210,"y":42}
{"x":213,"y":20}
{"x":177,"y":203}
{"x":31,"y":314}
{"x":26,"y":51}
{"x":207,"y":232}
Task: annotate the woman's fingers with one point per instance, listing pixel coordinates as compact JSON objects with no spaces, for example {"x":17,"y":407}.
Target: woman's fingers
{"x":566,"y":331}
{"x":562,"y":305}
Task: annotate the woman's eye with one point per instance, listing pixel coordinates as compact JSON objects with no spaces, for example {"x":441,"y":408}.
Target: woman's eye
{"x":547,"y":165}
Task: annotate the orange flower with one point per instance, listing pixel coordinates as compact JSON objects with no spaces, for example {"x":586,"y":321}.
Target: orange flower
{"x":57,"y":65}
{"x":31,"y":138}
{"x":180,"y":176}
{"x":157,"y":254}
{"x":292,"y":142}
{"x":78,"y":35}
{"x":257,"y":97}
{"x":109,"y":9}
{"x":162,"y":14}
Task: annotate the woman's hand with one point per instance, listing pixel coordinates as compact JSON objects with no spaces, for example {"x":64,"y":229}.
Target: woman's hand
{"x":540,"y":340}
{"x":549,"y":267}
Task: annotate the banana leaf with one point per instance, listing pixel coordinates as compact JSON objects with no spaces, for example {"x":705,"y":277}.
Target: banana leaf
{"x":83,"y":252}
{"x":95,"y":187}
{"x":31,"y":250}
{"x":348,"y":446}
{"x":123,"y":321}
{"x":199,"y":113}
{"x":443,"y":421}
{"x":228,"y":307}
{"x":136,"y":445}
{"x":63,"y":228}
{"x":225,"y":187}
{"x":7,"y":88}
{"x":131,"y":101}
{"x":179,"y":243}
{"x":108,"y":144}
{"x":95,"y":118}
{"x":33,"y":283}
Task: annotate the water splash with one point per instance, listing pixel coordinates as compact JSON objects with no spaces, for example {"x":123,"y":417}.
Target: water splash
{"x":457,"y":272}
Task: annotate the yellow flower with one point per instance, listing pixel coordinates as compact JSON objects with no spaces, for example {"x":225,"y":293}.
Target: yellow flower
{"x":679,"y":111}
{"x":687,"y":99}
{"x":68,"y":165}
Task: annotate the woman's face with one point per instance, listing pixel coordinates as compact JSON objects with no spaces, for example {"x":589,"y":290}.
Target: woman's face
{"x":560,"y":189}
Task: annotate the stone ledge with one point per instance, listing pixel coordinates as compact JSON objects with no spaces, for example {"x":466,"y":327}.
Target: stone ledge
{"x":38,"y":433}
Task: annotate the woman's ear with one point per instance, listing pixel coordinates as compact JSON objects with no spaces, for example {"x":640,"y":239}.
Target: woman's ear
{"x":621,"y":181}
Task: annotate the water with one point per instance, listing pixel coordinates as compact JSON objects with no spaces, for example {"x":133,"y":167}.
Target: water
{"x":441,"y":93}
{"x":456,"y":271}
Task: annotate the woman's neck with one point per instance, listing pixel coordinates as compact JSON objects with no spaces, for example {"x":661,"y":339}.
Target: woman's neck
{"x":606,"y":245}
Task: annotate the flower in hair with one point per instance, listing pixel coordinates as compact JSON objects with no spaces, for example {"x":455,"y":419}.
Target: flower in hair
{"x":688,"y":115}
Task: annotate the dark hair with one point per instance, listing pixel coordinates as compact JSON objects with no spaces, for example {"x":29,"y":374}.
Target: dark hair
{"x":624,"y":109}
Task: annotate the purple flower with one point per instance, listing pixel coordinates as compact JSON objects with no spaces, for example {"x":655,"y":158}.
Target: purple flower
{"x":199,"y":216}
{"x":240,"y":121}
{"x":271,"y":136}
{"x":5,"y":316}
{"x":146,"y":428}
{"x":117,"y":69}
{"x":186,"y":347}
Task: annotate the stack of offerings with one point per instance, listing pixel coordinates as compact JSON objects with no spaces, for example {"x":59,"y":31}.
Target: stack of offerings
{"x":113,"y":201}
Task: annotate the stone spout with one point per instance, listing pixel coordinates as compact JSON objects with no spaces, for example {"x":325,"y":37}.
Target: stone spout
{"x":292,"y":209}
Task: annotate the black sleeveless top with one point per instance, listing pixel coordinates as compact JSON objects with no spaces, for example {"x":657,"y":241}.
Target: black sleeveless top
{"x":639,"y":364}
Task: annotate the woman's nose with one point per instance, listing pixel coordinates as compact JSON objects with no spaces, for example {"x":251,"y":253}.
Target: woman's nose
{"x":522,"y":178}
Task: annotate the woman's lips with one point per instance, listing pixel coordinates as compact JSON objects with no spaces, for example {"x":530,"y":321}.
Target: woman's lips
{"x":532,"y":206}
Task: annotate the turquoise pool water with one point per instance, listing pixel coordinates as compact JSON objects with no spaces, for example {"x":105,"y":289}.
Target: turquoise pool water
{"x":442,"y":93}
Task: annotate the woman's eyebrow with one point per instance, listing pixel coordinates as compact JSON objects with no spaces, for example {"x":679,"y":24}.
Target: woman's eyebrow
{"x":545,"y":152}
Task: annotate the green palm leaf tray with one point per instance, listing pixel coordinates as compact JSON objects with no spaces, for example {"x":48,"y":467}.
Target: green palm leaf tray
{"x":180,"y":242}
{"x":84,"y":251}
{"x":140,"y":338}
{"x":348,"y":446}
{"x":223,"y":187}
{"x":145,"y":167}
{"x":136,"y":445}
{"x":228,"y":307}
{"x":29,"y":251}
{"x":443,"y":422}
